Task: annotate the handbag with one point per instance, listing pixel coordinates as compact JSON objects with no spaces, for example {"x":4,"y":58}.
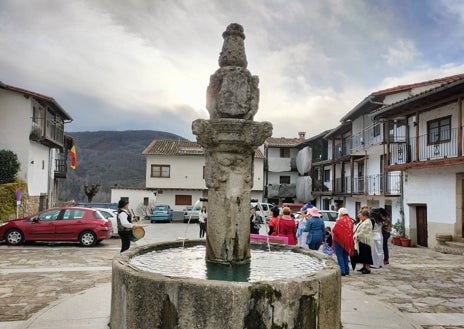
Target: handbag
{"x":326,"y":249}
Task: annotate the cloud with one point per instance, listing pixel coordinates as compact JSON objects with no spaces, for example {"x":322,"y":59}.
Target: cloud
{"x":142,"y":64}
{"x":403,"y":53}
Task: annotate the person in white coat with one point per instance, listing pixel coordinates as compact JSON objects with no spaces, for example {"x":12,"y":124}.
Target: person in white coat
{"x":377,"y":251}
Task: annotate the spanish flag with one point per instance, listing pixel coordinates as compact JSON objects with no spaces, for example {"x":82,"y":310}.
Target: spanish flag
{"x":73,"y":155}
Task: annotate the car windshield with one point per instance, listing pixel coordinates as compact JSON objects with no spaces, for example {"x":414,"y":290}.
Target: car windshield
{"x":329,"y":216}
{"x":161,"y":208}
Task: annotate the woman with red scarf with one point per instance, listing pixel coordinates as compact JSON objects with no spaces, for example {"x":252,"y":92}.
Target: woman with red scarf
{"x":342,"y":238}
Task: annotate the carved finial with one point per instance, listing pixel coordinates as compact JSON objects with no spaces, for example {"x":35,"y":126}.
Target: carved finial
{"x":233,"y":49}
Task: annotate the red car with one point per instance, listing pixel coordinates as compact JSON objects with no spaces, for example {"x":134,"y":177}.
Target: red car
{"x":84,"y":225}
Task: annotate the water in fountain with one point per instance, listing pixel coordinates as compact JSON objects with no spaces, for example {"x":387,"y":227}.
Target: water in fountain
{"x":190,"y":262}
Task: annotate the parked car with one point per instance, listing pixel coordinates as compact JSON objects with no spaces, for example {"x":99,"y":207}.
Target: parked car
{"x":84,"y":225}
{"x":330,"y":217}
{"x":106,"y":205}
{"x":161,"y":213}
{"x":263,"y":209}
{"x":191,"y":214}
{"x":111,"y":215}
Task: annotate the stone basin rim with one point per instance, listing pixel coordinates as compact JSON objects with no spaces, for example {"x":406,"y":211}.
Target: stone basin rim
{"x":123,"y":262}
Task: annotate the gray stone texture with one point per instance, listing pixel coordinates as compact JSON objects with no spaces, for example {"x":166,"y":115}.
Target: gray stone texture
{"x":149,"y":300}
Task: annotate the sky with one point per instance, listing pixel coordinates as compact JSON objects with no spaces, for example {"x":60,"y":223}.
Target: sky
{"x":146,"y":64}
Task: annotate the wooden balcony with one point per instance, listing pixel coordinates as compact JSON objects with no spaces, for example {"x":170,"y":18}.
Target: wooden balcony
{"x":61,"y":167}
{"x":420,"y":152}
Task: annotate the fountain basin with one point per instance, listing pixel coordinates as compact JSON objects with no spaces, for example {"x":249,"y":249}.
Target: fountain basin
{"x":142,"y":299}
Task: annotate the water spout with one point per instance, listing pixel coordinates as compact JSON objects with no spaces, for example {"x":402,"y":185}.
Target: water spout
{"x":190,"y":218}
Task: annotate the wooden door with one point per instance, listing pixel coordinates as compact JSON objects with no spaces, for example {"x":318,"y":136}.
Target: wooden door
{"x":421,"y":220}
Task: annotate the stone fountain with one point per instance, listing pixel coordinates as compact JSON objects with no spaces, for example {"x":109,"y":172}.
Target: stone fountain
{"x":149,"y":299}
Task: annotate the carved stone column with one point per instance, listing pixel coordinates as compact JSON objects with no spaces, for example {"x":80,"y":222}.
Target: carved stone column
{"x":230,"y":139}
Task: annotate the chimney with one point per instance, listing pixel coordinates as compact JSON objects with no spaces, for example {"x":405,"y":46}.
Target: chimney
{"x":301,"y":135}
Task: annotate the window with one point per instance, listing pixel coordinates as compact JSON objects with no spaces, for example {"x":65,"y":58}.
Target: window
{"x":162,"y":171}
{"x":73,"y":214}
{"x":284,"y":179}
{"x":183,"y":200}
{"x":327,"y":175}
{"x":49,"y":215}
{"x":145,"y":201}
{"x":377,"y":129}
{"x":439,"y":130}
{"x":285,"y":153}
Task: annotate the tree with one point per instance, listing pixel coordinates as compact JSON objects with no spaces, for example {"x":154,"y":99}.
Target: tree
{"x":9,"y":166}
{"x":91,"y":191}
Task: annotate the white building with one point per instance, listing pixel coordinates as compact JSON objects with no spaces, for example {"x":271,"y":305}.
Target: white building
{"x":401,"y":149}
{"x":280,"y":170}
{"x":428,"y":150}
{"x":175,"y":175}
{"x":32,"y":126}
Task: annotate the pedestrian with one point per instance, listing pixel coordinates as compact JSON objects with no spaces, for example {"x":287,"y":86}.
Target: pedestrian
{"x":363,"y":207}
{"x":300,"y":234}
{"x":255,"y":221}
{"x":274,"y":222}
{"x":363,"y":243}
{"x":381,"y":216}
{"x":202,"y":220}
{"x":316,"y":229}
{"x":287,"y":226}
{"x":386,"y":232}
{"x":327,"y":247}
{"x":377,"y":248}
{"x":342,"y":233}
{"x":124,"y":220}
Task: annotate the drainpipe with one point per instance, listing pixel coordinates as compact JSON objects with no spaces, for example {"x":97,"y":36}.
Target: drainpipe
{"x":402,"y":202}
{"x":49,"y":178}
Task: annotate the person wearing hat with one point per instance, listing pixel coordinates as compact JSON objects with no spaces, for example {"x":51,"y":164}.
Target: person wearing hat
{"x":125,"y":225}
{"x":316,"y":229}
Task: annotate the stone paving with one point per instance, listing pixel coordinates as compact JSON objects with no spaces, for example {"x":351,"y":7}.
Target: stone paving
{"x":34,"y":276}
{"x":419,"y":281}
{"x":426,"y":285}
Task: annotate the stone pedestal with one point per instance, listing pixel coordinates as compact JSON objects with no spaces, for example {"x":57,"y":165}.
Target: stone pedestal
{"x":230,"y":146}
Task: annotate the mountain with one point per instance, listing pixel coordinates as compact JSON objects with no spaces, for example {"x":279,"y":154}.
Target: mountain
{"x":108,"y":158}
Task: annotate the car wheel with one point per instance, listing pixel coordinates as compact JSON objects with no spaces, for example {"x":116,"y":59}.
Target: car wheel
{"x":14,"y":237}
{"x":88,"y":239}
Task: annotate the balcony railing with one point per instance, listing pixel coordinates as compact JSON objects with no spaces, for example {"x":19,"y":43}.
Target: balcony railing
{"x":51,"y":134}
{"x":403,"y":152}
{"x":368,"y":137}
{"x":380,"y":184}
{"x":342,"y":149}
{"x":320,"y":186}
{"x":343,"y":184}
{"x":60,"y":166}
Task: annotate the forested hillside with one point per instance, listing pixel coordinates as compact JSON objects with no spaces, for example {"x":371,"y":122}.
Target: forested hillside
{"x":108,"y":158}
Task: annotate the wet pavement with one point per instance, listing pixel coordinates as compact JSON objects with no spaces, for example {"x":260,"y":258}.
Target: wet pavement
{"x":424,"y":286}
